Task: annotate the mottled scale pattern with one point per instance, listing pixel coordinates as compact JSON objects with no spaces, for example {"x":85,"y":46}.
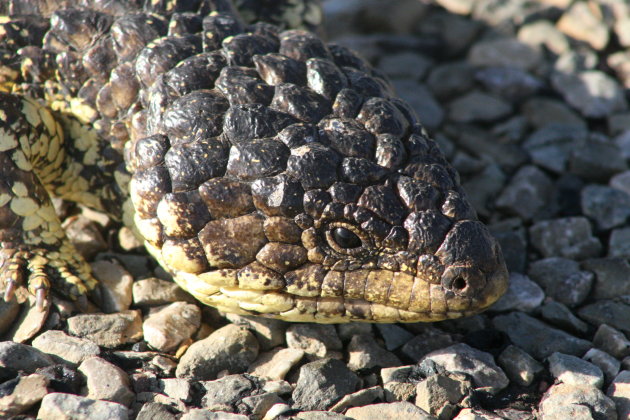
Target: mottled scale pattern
{"x":269,"y":172}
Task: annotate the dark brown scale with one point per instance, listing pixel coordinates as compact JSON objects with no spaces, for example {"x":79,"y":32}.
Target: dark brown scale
{"x":198,"y":115}
{"x":163,"y":55}
{"x":226,"y":198}
{"x":457,"y":207}
{"x":277,"y":68}
{"x":185,"y":24}
{"x":344,"y":57}
{"x":382,"y":201}
{"x":301,"y":103}
{"x":417,"y":194}
{"x":256,"y":159}
{"x":281,"y":257}
{"x":390,"y":151}
{"x":282,"y":229}
{"x":324,"y":77}
{"x":124,"y":86}
{"x":241,"y":48}
{"x":71,"y":70}
{"x":100,"y":59}
{"x":363,"y":83}
{"x":278,"y":196}
{"x":218,"y":27}
{"x":40,"y":65}
{"x":299,"y":134}
{"x":348,"y":137}
{"x":196,"y":72}
{"x":253,"y":121}
{"x":151,"y":185}
{"x":131,"y":33}
{"x":361,"y":171}
{"x":76,"y":29}
{"x":379,"y":116}
{"x":427,"y":230}
{"x":315,"y":201}
{"x":347,"y":103}
{"x":333,"y":211}
{"x":241,"y":85}
{"x":345,"y":193}
{"x":302,"y":45}
{"x":182,"y":214}
{"x":190,"y":164}
{"x":314,"y":165}
{"x":150,"y":151}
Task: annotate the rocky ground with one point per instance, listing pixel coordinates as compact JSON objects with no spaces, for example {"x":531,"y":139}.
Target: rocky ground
{"x":528,"y":100}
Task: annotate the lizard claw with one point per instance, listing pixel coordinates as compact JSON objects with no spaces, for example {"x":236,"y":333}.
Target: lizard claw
{"x":40,"y":298}
{"x":9,"y":291}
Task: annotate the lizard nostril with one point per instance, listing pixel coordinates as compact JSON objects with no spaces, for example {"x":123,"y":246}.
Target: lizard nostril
{"x":459,"y":283}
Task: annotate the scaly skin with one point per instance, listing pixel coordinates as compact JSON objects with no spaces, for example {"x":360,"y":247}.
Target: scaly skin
{"x":270,"y":173}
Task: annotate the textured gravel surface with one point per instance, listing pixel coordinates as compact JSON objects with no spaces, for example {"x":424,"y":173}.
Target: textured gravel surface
{"x":529,"y":101}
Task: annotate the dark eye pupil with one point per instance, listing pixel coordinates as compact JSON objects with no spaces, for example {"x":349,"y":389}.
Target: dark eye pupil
{"x":345,"y":238}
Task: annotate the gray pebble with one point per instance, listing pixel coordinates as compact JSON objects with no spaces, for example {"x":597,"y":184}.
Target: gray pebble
{"x":314,"y":339}
{"x":451,"y":79}
{"x":477,"y":106}
{"x":22,"y":393}
{"x":180,"y":389}
{"x":115,"y":285}
{"x":593,"y":93}
{"x":389,"y":411}
{"x":166,"y":328}
{"x":611,"y":277}
{"x":421,"y":100}
{"x":405,"y":65}
{"x":550,"y":147}
{"x":585,"y":23}
{"x":225,"y":393}
{"x":619,"y":392}
{"x":430,"y":339}
{"x":519,"y":366}
{"x":269,"y":332}
{"x":559,"y":315}
{"x":569,"y":237}
{"x":258,"y":405}
{"x":562,"y":279}
{"x":621,"y":181}
{"x":85,"y":235}
{"x":108,"y":330}
{"x":611,"y":341}
{"x":205,"y":414}
{"x":154,"y":292}
{"x":365,"y":353}
{"x":359,"y":398}
{"x":230,"y":348}
{"x":522,"y":295}
{"x":537,"y":338}
{"x":106,"y":381}
{"x":441,"y":394}
{"x":509,"y":83}
{"x":350,"y":329}
{"x":544,"y":33}
{"x":393,"y":335}
{"x":68,"y":406}
{"x":483,"y":187}
{"x":8,"y":314}
{"x":461,"y":358}
{"x":16,"y":357}
{"x":541,"y":112}
{"x":597,"y":160}
{"x":619,"y":243}
{"x":276,"y":363}
{"x":322,"y":383}
{"x":575,"y":371}
{"x":530,"y":194}
{"x":156,"y":411}
{"x":567,"y":401}
{"x":505,"y":52}
{"x":71,"y":350}
{"x":607,"y":206}
{"x":615,"y":314}
{"x":608,"y":364}
{"x":623,"y":142}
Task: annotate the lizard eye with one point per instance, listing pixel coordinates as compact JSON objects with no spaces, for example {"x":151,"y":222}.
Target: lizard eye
{"x":345,"y":238}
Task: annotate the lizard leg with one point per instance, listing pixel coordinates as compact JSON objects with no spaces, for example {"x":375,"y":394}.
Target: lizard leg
{"x":34,"y":250}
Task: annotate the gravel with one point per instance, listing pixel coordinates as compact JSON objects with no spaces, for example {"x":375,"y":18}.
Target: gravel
{"x":528,"y":101}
